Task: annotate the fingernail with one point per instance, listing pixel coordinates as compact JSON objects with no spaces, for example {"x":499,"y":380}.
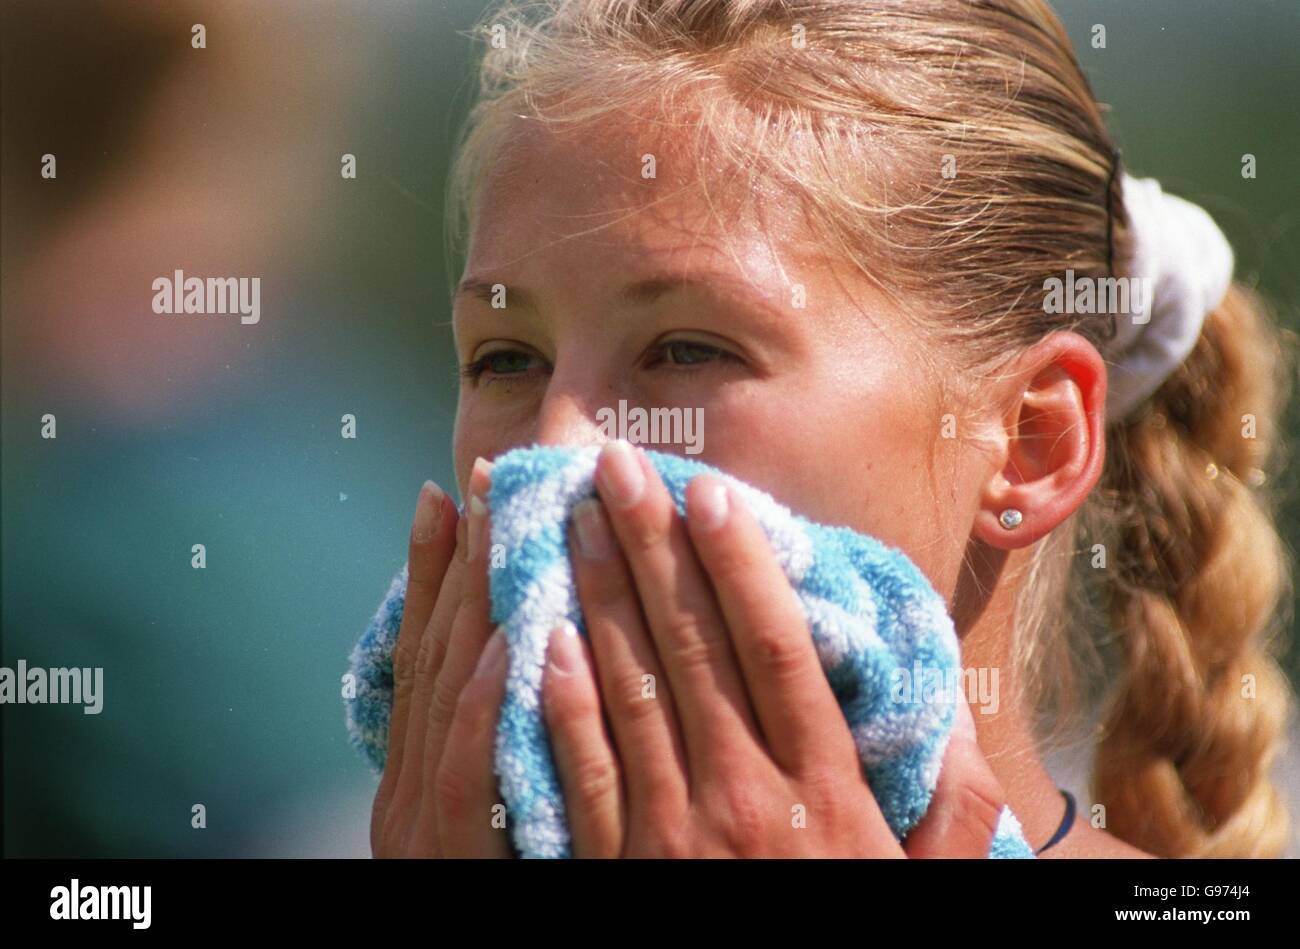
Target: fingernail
{"x":619,"y":473}
{"x":711,"y":505}
{"x":564,"y":654}
{"x":494,"y":655}
{"x":480,"y":476}
{"x":480,"y":482}
{"x":594,"y":540}
{"x":428,"y":512}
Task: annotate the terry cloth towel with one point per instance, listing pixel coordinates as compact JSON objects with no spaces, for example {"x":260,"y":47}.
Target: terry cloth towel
{"x":874,"y":617}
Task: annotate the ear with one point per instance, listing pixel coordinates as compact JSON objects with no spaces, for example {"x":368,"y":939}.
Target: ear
{"x":1053,"y":440}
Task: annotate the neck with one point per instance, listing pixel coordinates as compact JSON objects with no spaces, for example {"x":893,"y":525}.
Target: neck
{"x":983,"y":611}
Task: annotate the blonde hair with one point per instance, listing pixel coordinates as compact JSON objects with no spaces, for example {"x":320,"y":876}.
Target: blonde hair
{"x":961,"y":138}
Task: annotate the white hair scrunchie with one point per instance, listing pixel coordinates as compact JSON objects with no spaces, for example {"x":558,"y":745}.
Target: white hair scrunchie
{"x":1181,"y":251}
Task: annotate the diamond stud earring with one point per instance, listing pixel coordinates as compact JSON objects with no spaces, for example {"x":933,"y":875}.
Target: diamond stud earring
{"x":1010,"y":518}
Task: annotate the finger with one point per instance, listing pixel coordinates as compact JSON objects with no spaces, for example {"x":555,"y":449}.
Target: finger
{"x":432,"y":544}
{"x":685,"y":624}
{"x":584,"y":755}
{"x":635,"y":693}
{"x":428,"y":667}
{"x":470,"y":629}
{"x":470,"y":815}
{"x":428,"y":660}
{"x":803,"y":726}
{"x":968,"y":799}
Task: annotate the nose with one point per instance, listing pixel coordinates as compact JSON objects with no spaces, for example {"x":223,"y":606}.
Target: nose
{"x":568,"y":412}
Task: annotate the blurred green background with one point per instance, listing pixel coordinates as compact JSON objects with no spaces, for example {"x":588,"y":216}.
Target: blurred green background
{"x":222,"y":686}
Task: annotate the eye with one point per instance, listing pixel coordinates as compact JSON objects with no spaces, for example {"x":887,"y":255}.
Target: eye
{"x":690,"y":353}
{"x":497,"y":364}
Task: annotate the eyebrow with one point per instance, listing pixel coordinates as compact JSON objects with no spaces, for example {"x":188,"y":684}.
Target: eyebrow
{"x":641,"y":292}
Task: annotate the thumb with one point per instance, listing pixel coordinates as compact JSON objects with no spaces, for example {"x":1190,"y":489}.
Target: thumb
{"x":968,"y":799}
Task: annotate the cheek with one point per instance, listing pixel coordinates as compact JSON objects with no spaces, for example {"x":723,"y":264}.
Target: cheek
{"x":811,"y":451}
{"x":487,"y":427}
{"x":870,"y":470}
{"x":471,"y":438}
{"x":913,"y":498}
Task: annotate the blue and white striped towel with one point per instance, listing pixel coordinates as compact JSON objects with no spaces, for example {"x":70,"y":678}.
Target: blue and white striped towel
{"x":872,"y":613}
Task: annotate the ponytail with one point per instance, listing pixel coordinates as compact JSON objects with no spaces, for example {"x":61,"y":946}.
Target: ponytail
{"x":1199,"y":593}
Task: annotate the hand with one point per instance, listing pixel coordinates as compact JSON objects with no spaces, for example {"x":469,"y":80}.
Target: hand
{"x":741,"y":734}
{"x":437,"y":792}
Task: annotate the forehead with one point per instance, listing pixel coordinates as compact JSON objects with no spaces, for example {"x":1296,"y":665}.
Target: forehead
{"x":621,"y":196}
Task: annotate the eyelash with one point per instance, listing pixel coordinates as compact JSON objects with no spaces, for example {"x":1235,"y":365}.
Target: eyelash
{"x":474,"y":370}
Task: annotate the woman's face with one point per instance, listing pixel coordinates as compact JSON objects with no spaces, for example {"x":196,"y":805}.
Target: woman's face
{"x":828,"y":407}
